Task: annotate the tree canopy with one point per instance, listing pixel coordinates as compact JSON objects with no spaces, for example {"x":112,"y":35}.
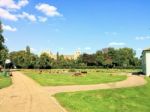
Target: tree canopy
{"x":105,"y":58}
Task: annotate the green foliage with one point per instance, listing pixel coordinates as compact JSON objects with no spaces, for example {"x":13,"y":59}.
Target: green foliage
{"x":88,"y":59}
{"x":5,"y":81}
{"x":22,"y":59}
{"x":116,"y":100}
{"x":1,"y":37}
{"x":45,"y":62}
{"x":105,"y":58}
{"x":99,"y":58}
{"x":3,"y":48}
{"x":3,"y":56}
{"x":72,"y":70}
{"x":111,"y":58}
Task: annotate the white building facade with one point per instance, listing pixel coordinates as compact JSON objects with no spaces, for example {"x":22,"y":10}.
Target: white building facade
{"x":146,"y":62}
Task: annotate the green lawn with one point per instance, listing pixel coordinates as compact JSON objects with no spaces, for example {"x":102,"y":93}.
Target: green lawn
{"x":135,"y":99}
{"x":4,"y":81}
{"x":47,"y":79}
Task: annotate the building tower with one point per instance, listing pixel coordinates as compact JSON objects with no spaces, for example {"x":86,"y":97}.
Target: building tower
{"x":77,"y":54}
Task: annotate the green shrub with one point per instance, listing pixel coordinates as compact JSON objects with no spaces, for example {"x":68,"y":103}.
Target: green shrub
{"x":72,"y":70}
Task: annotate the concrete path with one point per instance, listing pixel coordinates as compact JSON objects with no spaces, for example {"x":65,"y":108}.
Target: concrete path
{"x":25,"y":95}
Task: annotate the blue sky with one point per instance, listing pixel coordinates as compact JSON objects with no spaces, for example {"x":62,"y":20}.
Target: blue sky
{"x":68,"y":25}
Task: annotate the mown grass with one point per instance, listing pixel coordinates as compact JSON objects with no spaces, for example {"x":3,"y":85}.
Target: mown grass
{"x":54,"y":79}
{"x":136,"y":99}
{"x":5,"y":81}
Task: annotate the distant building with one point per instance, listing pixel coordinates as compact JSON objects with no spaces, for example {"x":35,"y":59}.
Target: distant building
{"x":69,"y":57}
{"x":54,"y":56}
{"x":146,"y":61}
{"x":105,"y":50}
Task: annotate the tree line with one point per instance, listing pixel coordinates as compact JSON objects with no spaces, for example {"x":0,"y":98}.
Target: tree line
{"x":104,"y":58}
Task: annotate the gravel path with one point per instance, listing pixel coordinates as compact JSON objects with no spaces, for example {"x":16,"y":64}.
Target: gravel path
{"x":25,"y":95}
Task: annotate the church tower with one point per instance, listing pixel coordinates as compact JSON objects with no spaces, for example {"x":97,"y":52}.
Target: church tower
{"x":77,"y":54}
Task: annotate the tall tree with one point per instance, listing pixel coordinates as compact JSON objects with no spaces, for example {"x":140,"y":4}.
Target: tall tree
{"x":88,"y":59}
{"x":28,"y":50}
{"x":45,"y":61}
{"x":22,"y":60}
{"x":1,"y":37}
{"x":3,"y":48}
{"x":126,"y":57}
{"x":28,"y":56}
{"x":99,"y":58}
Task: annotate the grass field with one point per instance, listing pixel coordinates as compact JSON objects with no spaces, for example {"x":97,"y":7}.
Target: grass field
{"x":4,"y":81}
{"x":92,"y":77}
{"x":135,"y":99}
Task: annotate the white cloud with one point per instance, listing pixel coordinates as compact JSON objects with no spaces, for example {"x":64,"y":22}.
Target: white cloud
{"x":42,"y":19}
{"x":28,"y":16}
{"x":6,"y":15}
{"x":23,"y":3}
{"x":116,"y":44}
{"x":10,"y":4}
{"x":142,"y":37}
{"x":87,"y":48}
{"x":7,"y":6}
{"x":48,"y":10}
{"x":8,"y":28}
{"x":111,"y":33}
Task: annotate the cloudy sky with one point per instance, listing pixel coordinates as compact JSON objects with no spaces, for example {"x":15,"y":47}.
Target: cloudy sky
{"x":69,"y":25}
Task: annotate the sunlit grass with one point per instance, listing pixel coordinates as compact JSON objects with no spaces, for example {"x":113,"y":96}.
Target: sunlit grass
{"x":5,"y":81}
{"x":55,"y":79}
{"x":134,"y":99}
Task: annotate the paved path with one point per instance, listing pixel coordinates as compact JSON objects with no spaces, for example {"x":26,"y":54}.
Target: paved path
{"x":25,"y":95}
